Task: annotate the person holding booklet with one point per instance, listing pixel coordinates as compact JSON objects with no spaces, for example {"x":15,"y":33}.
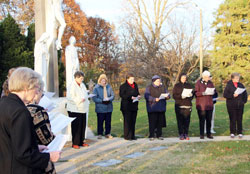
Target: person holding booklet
{"x":42,"y":126}
{"x":103,"y":98}
{"x":204,"y":91}
{"x":78,"y":107}
{"x":183,"y":95}
{"x":130,"y":95}
{"x":156,"y":95}
{"x":236,"y":97}
{"x":19,"y":150}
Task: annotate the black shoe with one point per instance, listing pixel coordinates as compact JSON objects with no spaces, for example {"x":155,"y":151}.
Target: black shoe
{"x":210,"y":137}
{"x":134,"y":138}
{"x":202,"y":137}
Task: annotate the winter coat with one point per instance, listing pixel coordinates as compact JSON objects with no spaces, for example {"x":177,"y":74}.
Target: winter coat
{"x":152,"y":92}
{"x":203,"y":102}
{"x":100,"y":106}
{"x":126,"y":92}
{"x":19,"y":153}
{"x":75,"y":95}
{"x":177,"y":91}
{"x":234,"y":102}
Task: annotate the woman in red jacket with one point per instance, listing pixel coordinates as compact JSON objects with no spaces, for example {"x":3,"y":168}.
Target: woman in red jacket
{"x":204,"y":91}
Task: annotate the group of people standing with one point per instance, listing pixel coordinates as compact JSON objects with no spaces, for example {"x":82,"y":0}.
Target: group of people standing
{"x":156,"y":96}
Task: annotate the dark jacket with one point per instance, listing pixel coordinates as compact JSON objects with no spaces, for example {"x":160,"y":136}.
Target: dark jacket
{"x":203,"y":102}
{"x":126,"y":92}
{"x":100,"y":106}
{"x":177,"y":91}
{"x":152,"y":92}
{"x":234,"y":102}
{"x":19,"y":153}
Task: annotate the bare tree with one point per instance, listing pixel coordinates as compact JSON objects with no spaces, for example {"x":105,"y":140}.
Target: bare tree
{"x":155,"y":44}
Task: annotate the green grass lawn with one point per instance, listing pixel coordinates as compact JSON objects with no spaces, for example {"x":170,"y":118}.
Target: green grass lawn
{"x":231,"y":157}
{"x":221,"y":120}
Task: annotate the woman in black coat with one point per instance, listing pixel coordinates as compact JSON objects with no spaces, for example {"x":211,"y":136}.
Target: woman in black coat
{"x":130,"y":95}
{"x":183,"y":106}
{"x":19,"y":151}
{"x":235,"y":104}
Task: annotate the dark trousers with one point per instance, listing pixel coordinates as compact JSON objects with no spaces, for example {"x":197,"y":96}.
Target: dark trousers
{"x":101,"y":117}
{"x":205,"y":115}
{"x":156,"y":122}
{"x":235,"y":116}
{"x":129,"y":124}
{"x":78,"y":127}
{"x":183,"y":119}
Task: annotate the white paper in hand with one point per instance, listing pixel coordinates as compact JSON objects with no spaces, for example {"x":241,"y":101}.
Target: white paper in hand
{"x":49,"y":94}
{"x":60,"y":122}
{"x":136,"y":99}
{"x":106,"y":99}
{"x":187,"y":92}
{"x":46,"y":103}
{"x":239,"y":91}
{"x":163,"y":96}
{"x":209,"y":91}
{"x":57,"y":144}
{"x":91,"y":95}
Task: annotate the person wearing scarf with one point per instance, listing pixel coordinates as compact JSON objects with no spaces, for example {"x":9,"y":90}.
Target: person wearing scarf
{"x":204,"y":103}
{"x":235,"y":104}
{"x":128,"y":93}
{"x":156,"y":107}
{"x":103,"y":98}
{"x":78,"y":107}
{"x":183,"y":106}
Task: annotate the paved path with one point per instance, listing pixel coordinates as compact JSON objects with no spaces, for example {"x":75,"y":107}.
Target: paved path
{"x":72,"y":158}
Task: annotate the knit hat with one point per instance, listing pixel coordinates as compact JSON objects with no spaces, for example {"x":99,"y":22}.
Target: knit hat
{"x":206,"y":73}
{"x":155,"y":77}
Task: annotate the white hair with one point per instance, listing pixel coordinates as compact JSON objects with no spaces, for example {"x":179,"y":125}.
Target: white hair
{"x":206,"y":73}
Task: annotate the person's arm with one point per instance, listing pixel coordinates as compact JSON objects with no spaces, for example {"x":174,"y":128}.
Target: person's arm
{"x":198,"y":93}
{"x":228,"y":94}
{"x":176,"y":94}
{"x":96,"y":98}
{"x":112,"y":94}
{"x":148,"y":97}
{"x":123,"y":93}
{"x":244,"y":95}
{"x":24,"y":146}
{"x":74,"y":96}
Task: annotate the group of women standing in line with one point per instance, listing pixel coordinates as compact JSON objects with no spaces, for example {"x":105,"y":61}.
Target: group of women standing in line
{"x":155,"y":95}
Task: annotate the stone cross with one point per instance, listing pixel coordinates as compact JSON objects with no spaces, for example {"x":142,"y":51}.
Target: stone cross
{"x":43,"y":23}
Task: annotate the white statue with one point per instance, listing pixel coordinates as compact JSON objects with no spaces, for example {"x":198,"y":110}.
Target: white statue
{"x":41,"y":54}
{"x":55,"y":19}
{"x":72,"y":61}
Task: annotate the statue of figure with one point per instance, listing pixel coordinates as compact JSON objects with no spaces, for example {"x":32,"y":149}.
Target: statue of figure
{"x":72,"y":61}
{"x":41,"y":54}
{"x":91,"y":86}
{"x":55,"y":19}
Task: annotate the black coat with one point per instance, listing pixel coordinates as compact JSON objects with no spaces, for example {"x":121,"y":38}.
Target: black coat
{"x":126,"y":93}
{"x":177,"y":91}
{"x":19,"y":153}
{"x":234,"y":102}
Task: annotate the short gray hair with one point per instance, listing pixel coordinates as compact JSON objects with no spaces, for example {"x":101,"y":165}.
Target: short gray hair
{"x":24,"y":78}
{"x":235,"y":74}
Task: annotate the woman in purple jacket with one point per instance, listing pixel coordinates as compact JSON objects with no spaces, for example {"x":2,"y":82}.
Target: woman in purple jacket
{"x":204,"y":103}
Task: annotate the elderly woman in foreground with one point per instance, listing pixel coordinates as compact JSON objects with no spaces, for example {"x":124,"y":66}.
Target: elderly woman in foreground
{"x":19,"y":151}
{"x":235,"y":104}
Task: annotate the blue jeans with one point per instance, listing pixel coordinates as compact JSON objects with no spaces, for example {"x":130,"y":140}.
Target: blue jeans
{"x":101,"y":117}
